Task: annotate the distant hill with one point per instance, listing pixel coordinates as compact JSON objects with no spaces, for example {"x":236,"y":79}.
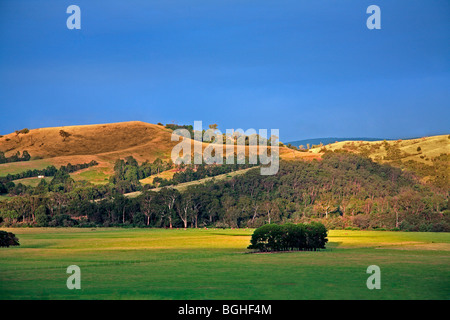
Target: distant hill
{"x":419,"y":149}
{"x":426,"y":156}
{"x":326,"y":141}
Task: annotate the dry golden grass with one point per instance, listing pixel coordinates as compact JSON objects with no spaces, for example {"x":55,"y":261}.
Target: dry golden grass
{"x":168,"y":174}
{"x":430,"y":147}
{"x":107,"y":141}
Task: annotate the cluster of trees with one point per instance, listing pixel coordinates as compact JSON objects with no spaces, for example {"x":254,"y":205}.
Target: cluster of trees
{"x":128,"y":172}
{"x":342,"y":190}
{"x":57,"y":205}
{"x":15,"y":157}
{"x":302,"y":148}
{"x":235,"y":138}
{"x":23,"y":131}
{"x":8,"y":239}
{"x":437,"y":171}
{"x":174,"y":127}
{"x":393,"y":152}
{"x":289,"y":237}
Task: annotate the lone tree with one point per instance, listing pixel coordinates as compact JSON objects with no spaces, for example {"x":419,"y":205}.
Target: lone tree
{"x":8,"y":239}
{"x":64,"y":134}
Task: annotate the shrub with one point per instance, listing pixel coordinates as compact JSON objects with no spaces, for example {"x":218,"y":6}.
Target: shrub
{"x":265,"y":238}
{"x":440,"y":227}
{"x":8,"y":239}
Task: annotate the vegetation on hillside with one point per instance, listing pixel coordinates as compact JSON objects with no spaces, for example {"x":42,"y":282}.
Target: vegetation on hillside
{"x":428,"y":157}
{"x":15,"y":157}
{"x":60,"y":177}
{"x":342,"y":191}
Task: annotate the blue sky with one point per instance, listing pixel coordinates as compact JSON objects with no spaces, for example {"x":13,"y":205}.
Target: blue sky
{"x":309,"y":68}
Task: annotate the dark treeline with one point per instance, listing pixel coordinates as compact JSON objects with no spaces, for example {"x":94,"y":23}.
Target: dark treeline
{"x":341,"y":191}
{"x":15,"y":157}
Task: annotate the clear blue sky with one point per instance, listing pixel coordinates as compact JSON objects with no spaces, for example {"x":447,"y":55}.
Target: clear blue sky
{"x":309,"y":68}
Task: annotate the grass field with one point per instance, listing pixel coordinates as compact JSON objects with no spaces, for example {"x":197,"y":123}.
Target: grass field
{"x":215,"y":264}
{"x":95,"y":175}
{"x":18,"y":167}
{"x":33,"y":182}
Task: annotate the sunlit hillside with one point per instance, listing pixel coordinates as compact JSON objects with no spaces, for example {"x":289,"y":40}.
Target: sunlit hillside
{"x":104,"y":143}
{"x":427,"y":156}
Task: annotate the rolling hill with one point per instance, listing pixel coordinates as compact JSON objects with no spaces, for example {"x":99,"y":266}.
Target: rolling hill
{"x":104,"y":143}
{"x":420,"y":149}
{"x":428,"y":157}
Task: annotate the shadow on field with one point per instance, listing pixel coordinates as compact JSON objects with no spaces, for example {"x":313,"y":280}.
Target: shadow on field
{"x":231,"y":234}
{"x":333,"y":245}
{"x":38,"y":245}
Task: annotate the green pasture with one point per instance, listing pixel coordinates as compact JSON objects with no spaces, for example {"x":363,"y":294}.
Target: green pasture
{"x":95,"y":175}
{"x":33,"y":182}
{"x":215,"y":264}
{"x":18,"y":167}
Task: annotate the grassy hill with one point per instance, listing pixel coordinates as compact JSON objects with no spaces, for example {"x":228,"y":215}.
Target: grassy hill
{"x":427,"y":156}
{"x":104,"y":143}
{"x":430,"y":147}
